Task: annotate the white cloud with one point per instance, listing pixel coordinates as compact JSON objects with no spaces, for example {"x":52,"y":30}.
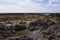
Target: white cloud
{"x":27,"y":6}
{"x":23,"y":6}
{"x":54,"y":6}
{"x":8,"y":0}
{"x":54,"y":2}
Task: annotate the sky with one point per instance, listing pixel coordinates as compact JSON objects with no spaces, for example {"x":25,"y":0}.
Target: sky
{"x":29,"y":6}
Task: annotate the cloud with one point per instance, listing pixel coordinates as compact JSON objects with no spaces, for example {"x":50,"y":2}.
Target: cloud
{"x":28,"y":6}
{"x":54,"y":6}
{"x":22,"y":6}
{"x":43,"y":2}
{"x":54,"y":9}
{"x":54,"y":2}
